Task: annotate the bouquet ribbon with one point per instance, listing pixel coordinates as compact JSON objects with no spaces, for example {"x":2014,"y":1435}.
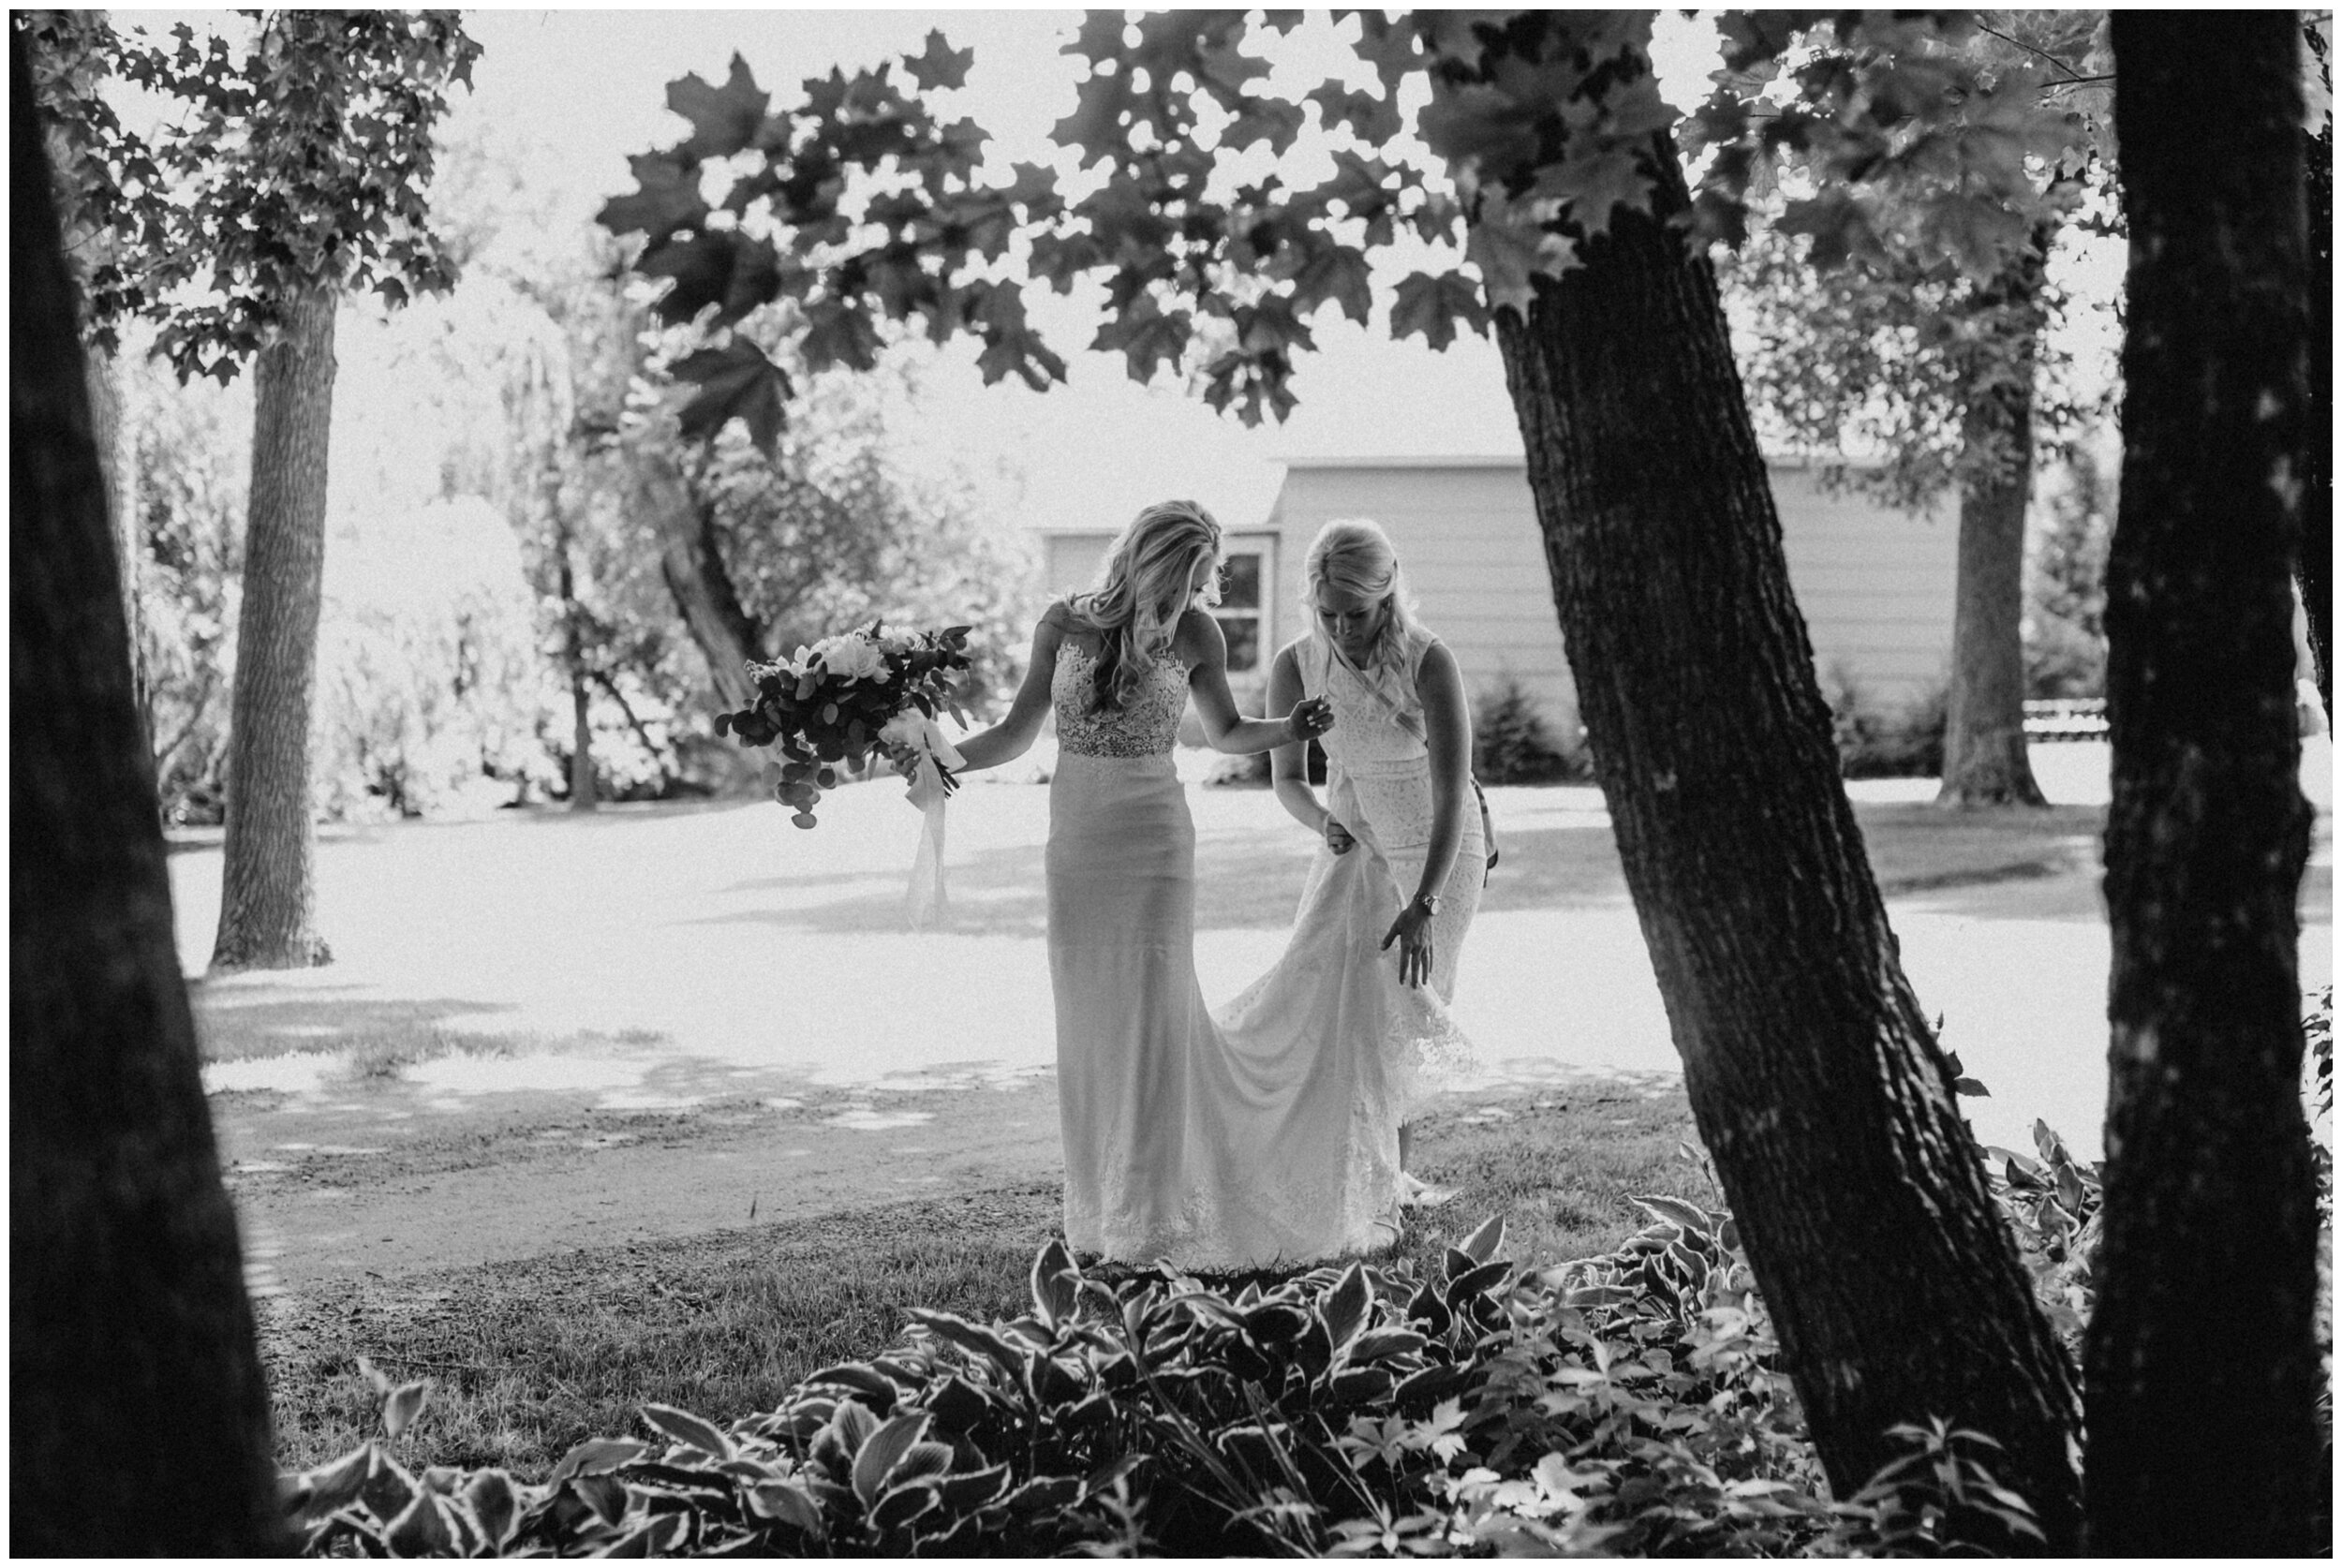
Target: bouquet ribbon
{"x":926,"y":901}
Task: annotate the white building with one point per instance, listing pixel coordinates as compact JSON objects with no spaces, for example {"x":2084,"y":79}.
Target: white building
{"x":1874,"y":584}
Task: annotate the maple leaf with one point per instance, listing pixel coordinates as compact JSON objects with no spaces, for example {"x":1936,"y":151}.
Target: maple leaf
{"x":667,"y":198}
{"x":701,"y":266}
{"x":1370,"y":117}
{"x":1388,"y":46}
{"x":839,"y":333}
{"x":1095,"y":126}
{"x":1432,"y":305}
{"x":735,"y":381}
{"x":1510,"y":244}
{"x":1338,"y":273}
{"x":1480,"y":124}
{"x":1148,"y":337}
{"x":1595,"y":181}
{"x":1270,"y":120}
{"x":1010,"y":345}
{"x":723,"y":119}
{"x":941,"y":65}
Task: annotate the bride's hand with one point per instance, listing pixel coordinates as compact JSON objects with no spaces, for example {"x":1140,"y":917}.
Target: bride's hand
{"x":1338,"y":837}
{"x":1412,"y":931}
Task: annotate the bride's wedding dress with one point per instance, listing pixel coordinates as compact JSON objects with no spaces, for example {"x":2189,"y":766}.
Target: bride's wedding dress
{"x":1268,"y":1135}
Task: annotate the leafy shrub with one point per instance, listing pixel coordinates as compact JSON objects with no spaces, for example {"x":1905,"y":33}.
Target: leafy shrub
{"x":1628,"y":1403}
{"x":1877,"y":742}
{"x":1510,"y":744}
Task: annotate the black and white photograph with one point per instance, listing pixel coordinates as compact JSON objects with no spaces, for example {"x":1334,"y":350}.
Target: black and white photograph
{"x":1019,"y":783}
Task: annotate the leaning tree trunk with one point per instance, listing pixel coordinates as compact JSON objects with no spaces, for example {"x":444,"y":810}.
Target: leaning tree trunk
{"x":2203,"y":1359}
{"x":701,"y":584}
{"x":581,"y":797}
{"x":2317,"y":565}
{"x":1985,"y":761}
{"x":138,"y":1419}
{"x":268,"y":899}
{"x":1817,"y":1087}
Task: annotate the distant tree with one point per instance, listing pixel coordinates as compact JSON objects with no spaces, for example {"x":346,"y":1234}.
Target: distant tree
{"x":297,"y":174}
{"x":2203,"y":1361}
{"x":1817,"y":1084}
{"x":138,"y":1419}
{"x":1935,"y":359}
{"x":2066,"y":585}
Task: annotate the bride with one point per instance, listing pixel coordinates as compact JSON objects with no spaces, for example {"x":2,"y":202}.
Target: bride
{"x":1180,"y":1142}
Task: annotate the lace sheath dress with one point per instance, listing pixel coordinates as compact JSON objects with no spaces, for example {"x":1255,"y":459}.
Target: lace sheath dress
{"x":1272,"y":1140}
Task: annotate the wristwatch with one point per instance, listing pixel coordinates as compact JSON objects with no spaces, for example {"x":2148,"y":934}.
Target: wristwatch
{"x":1429,"y":902}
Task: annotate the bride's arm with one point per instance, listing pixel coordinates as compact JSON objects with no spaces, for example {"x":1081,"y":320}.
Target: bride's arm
{"x":1200,"y":641}
{"x":1289,"y":763}
{"x":1447,"y":735}
{"x":1012,"y":736}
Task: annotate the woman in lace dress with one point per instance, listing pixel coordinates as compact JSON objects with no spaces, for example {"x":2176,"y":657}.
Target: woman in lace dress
{"x":1403,"y":857}
{"x":1176,"y":1147}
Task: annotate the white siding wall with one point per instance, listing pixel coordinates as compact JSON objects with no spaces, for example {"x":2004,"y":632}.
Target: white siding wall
{"x":1467,"y":538}
{"x":1876,"y":585}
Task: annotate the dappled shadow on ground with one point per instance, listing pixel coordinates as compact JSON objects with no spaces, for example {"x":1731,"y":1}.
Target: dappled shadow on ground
{"x":233,"y":1024}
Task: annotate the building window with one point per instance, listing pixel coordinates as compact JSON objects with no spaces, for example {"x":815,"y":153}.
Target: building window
{"x":1243,"y":608}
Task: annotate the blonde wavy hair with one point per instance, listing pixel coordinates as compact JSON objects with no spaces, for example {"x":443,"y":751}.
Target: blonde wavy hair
{"x":1143,"y":592}
{"x":1354,"y":555}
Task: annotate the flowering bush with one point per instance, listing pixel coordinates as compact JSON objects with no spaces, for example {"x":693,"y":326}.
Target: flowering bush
{"x":834,"y":701}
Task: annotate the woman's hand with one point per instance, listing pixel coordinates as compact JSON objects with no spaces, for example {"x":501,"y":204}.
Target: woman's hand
{"x":1337,"y":839}
{"x":1412,"y":931}
{"x":1310,"y":717}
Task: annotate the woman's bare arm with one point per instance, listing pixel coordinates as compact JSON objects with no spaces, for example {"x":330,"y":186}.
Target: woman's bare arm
{"x":1014,"y":735}
{"x":1205,"y":648}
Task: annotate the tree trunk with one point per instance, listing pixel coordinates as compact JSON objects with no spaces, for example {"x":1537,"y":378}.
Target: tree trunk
{"x":2203,"y":1361}
{"x":138,"y":1418}
{"x":1985,"y":761}
{"x":1817,"y":1087}
{"x":268,"y":899}
{"x":582,"y":796}
{"x":693,"y":565}
{"x":2317,"y":565}
{"x":118,"y":463}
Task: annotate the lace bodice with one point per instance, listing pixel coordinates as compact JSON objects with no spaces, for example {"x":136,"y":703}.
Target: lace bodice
{"x":1378,"y":725}
{"x":1145,"y":726}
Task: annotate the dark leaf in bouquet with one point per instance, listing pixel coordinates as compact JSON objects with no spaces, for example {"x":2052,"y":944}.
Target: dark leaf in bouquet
{"x":829,"y":713}
{"x":830,"y":751}
{"x":857,"y":733}
{"x":723,"y":723}
{"x":826,"y":779}
{"x":924,"y":703}
{"x":805,"y":819}
{"x":791,"y":773}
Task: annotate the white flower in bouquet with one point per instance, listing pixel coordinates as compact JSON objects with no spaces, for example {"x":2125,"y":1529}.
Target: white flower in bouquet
{"x":853,"y":657}
{"x":906,"y":732}
{"x":899,"y":641}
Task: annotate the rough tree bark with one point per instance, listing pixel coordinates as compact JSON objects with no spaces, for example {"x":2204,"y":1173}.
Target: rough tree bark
{"x":138,"y":1419}
{"x":268,"y":899}
{"x":1985,"y":761}
{"x":727,"y":636}
{"x":1819,"y":1090}
{"x":2317,"y":565}
{"x":2203,"y":1365}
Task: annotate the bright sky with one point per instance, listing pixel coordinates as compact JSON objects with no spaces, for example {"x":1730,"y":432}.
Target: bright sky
{"x":593,"y":84}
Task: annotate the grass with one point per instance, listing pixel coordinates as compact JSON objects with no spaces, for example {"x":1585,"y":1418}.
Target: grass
{"x":528,"y":1357}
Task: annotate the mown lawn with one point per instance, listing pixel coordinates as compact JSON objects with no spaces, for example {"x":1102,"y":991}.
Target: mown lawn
{"x":526,"y":1359}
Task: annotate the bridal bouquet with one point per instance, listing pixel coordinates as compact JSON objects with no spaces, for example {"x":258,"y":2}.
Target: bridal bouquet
{"x":832,"y":703}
